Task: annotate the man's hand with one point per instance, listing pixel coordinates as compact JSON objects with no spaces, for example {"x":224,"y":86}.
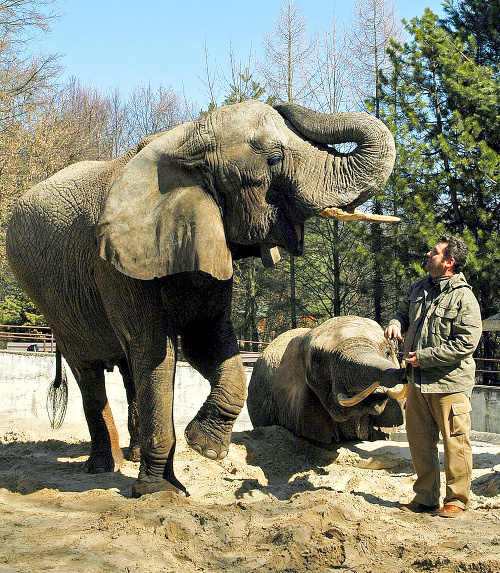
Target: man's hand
{"x":393,"y":331}
{"x":412,"y":359}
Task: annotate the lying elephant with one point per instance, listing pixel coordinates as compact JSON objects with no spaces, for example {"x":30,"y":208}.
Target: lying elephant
{"x":339,"y":381}
{"x":125,"y":257}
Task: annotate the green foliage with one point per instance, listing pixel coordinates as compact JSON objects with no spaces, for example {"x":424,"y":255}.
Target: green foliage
{"x":480,"y":20}
{"x":211,"y":106}
{"x":244,"y":88}
{"x":331,"y":276}
{"x":247,"y":88}
{"x":261,"y":300}
{"x":19,"y":310}
{"x":445,"y":108}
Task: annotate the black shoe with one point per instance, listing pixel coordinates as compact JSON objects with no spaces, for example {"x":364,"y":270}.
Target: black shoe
{"x":416,"y":507}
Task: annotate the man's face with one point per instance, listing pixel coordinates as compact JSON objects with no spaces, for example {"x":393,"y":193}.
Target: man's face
{"x":437,"y":265}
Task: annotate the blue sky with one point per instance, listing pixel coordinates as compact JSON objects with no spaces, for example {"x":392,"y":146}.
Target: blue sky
{"x":120,"y":43}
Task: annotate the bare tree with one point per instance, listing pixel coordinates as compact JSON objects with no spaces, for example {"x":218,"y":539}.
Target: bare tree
{"x":376,"y":24}
{"x":117,"y":131}
{"x":24,"y":79}
{"x":25,"y":83}
{"x":286,"y":70}
{"x":331,"y":81}
{"x":322,"y":277}
{"x":239,"y":82}
{"x":287,"y":55}
{"x":150,"y":111}
{"x":21,"y":19}
{"x":72,"y":127}
{"x":209,"y":80}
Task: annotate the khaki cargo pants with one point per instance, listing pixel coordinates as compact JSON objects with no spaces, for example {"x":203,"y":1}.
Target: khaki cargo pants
{"x":426,"y":416}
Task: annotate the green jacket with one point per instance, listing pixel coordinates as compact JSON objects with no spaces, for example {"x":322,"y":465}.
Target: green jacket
{"x":443,"y":325}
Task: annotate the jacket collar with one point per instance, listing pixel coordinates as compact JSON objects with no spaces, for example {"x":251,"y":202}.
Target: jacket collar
{"x":456,"y":281}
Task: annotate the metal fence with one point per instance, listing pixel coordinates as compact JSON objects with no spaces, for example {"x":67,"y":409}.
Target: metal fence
{"x":41,"y":339}
{"x":491,"y":376}
{"x":27,"y":338}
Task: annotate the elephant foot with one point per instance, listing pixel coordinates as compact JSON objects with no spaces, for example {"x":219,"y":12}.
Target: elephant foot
{"x":145,"y":485}
{"x":206,"y":442}
{"x":102,"y":462}
{"x":133,"y":453}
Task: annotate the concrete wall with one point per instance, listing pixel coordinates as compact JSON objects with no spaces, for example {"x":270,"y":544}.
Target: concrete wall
{"x":485,"y":409}
{"x":25,"y":378}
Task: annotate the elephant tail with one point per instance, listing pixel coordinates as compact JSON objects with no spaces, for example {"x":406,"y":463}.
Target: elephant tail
{"x":57,"y":395}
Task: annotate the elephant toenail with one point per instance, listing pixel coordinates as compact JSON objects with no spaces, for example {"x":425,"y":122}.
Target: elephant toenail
{"x":197,"y":448}
{"x":211,"y":454}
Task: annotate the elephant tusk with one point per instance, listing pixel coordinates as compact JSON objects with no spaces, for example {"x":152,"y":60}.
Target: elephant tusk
{"x":269,"y":256}
{"x":356,"y":215}
{"x":343,"y":400}
{"x":398,"y":392}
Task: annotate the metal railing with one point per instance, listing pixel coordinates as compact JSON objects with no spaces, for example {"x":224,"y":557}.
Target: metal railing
{"x":30,"y":338}
{"x":490,"y":377}
{"x":41,"y":339}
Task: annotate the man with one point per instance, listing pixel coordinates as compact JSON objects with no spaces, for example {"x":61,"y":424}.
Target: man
{"x":442,"y":321}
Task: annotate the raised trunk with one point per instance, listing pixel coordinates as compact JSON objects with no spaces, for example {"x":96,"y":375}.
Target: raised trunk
{"x":350,"y":178}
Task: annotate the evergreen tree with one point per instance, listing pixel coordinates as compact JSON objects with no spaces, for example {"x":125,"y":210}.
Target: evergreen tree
{"x":481,"y":20}
{"x":445,"y":106}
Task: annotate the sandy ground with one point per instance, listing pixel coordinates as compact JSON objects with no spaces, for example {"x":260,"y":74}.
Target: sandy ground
{"x":274,"y":504}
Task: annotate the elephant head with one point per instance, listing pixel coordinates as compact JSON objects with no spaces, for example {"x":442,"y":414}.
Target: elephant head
{"x":350,"y":366}
{"x":340,"y":380}
{"x":239,"y":181}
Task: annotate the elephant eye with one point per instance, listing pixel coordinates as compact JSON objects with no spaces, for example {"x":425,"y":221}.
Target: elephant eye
{"x":274,"y":160}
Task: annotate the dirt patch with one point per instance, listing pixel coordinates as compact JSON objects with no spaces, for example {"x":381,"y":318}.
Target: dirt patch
{"x":275,"y":503}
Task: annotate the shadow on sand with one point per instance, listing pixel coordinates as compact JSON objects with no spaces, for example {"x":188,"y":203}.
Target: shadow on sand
{"x":27,"y":467}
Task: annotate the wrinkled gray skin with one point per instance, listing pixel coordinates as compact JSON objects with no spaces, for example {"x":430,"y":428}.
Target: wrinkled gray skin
{"x":126,"y":256}
{"x":296,"y":381}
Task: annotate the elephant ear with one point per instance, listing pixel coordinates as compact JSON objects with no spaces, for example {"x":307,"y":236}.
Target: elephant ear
{"x":290,"y":384}
{"x":158,"y":220}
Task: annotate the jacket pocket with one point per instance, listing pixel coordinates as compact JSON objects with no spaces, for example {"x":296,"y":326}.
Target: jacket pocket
{"x":446,"y":311}
{"x":460,"y":422}
{"x":442,"y":320}
{"x":415,"y":309}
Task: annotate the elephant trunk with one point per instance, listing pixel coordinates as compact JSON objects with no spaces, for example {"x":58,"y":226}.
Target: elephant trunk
{"x":382,"y":374}
{"x":351,"y":178}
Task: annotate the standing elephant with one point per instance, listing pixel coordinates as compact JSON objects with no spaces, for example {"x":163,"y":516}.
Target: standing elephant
{"x":338,"y":381}
{"x":127,"y":256}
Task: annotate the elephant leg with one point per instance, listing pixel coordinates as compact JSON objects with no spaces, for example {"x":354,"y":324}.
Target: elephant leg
{"x":153,"y":368}
{"x":214,"y":353}
{"x":143,"y":328}
{"x":105,"y":454}
{"x":134,"y":451}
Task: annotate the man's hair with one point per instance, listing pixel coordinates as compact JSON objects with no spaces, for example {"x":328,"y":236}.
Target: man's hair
{"x":457,"y":249}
